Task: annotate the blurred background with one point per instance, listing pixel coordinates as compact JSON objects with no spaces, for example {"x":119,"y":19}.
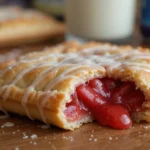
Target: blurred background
{"x":130,"y":23}
{"x":52,"y":7}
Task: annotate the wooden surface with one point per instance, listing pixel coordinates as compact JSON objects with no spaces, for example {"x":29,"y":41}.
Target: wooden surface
{"x":90,"y":136}
{"x":26,"y":134}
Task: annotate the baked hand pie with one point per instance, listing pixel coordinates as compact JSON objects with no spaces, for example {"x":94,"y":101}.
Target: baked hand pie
{"x":23,"y":26}
{"x":71,"y":84}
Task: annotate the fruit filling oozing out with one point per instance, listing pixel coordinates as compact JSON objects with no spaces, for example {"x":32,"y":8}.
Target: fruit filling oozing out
{"x":109,"y":101}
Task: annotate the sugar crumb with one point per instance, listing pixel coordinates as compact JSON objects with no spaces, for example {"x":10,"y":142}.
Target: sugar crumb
{"x":146,"y":127}
{"x":95,"y":140}
{"x":110,"y":138}
{"x":70,"y":138}
{"x":33,"y":136}
{"x":45,"y":126}
{"x":25,"y":137}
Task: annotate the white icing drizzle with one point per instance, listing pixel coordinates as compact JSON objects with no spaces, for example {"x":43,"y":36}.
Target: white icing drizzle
{"x":72,"y":62}
{"x":124,"y":54}
{"x":131,"y":55}
{"x":102,"y":48}
{"x":31,"y":88}
{"x":140,"y":56}
{"x":20,"y":75}
{"x":23,"y":60}
{"x":137,"y":66}
{"x":59,"y":78}
{"x":42,"y":75}
{"x":41,"y":105}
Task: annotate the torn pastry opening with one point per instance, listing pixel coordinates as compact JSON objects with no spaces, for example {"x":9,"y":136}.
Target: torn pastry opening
{"x":111,"y":102}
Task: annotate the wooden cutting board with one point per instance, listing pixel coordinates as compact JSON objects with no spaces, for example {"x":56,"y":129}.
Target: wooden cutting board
{"x":25,"y":134}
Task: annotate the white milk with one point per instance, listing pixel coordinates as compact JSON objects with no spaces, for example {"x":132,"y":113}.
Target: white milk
{"x":100,"y":19}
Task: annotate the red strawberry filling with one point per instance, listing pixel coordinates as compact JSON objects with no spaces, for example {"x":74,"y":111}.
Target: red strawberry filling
{"x":109,"y":101}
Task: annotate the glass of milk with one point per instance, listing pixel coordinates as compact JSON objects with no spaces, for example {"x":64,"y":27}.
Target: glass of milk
{"x":108,"y":20}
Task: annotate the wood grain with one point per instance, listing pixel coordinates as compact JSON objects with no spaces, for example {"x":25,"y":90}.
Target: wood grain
{"x":90,"y":136}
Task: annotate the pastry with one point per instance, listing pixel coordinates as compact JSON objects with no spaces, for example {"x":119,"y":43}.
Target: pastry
{"x":20,"y":26}
{"x":71,"y":84}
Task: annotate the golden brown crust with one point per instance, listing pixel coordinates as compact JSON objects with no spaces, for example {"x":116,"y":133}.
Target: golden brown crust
{"x":126,"y":71}
{"x":39,"y":84}
{"x":18,"y":26}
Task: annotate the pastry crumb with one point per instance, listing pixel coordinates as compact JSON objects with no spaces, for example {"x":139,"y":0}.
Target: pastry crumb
{"x":35,"y":143}
{"x":18,"y":130}
{"x":95,"y":140}
{"x":146,"y":127}
{"x":33,"y":136}
{"x":45,"y":126}
{"x":70,"y":138}
{"x":25,"y":137}
{"x":16,"y":148}
{"x":8,"y":124}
